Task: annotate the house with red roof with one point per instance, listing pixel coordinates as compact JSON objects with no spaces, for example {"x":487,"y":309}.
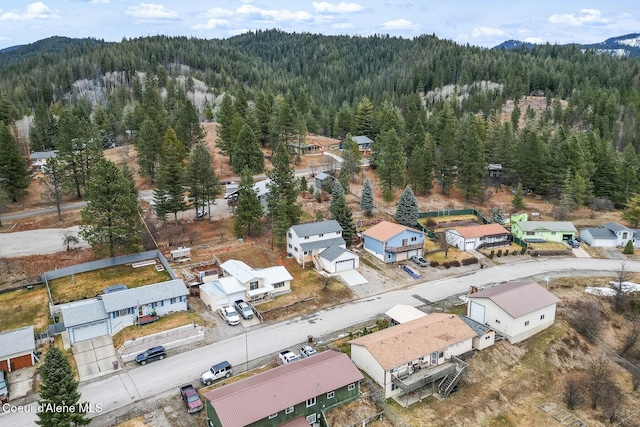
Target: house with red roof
{"x":390,"y":242}
{"x":516,"y":310}
{"x":478,"y":237}
{"x":290,"y":395}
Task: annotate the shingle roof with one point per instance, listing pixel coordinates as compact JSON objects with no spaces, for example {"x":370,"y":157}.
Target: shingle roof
{"x":385,"y":230}
{"x":546,"y":225}
{"x":282,"y":387}
{"x":17,"y":341}
{"x":615,"y":227}
{"x":322,"y":176}
{"x":408,"y":341}
{"x":332,"y":252}
{"x":81,"y":312}
{"x":477,"y":327}
{"x":275,"y":274}
{"x":600,"y":233}
{"x":481,"y":230}
{"x":42,"y":155}
{"x":518,"y":298}
{"x":315,"y":228}
{"x":309,"y":246}
{"x":239,"y":270}
{"x":144,"y":295}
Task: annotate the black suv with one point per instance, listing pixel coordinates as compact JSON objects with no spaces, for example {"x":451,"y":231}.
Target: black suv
{"x":155,"y":353}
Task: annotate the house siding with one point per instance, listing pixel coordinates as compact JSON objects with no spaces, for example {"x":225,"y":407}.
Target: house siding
{"x":548,"y":235}
{"x":378,"y":248}
{"x":295,"y":250}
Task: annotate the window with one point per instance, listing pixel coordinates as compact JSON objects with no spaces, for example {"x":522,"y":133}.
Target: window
{"x":295,"y":249}
{"x":394,"y":370}
{"x":526,"y":323}
{"x":288,"y":410}
{"x":306,"y":237}
{"x":624,"y":235}
{"x":278,"y":285}
{"x":311,"y":402}
{"x":441,"y":355}
{"x":290,"y":246}
{"x":553,"y":233}
{"x":172,"y":300}
{"x":289,"y":235}
{"x":389,"y":256}
{"x":311,"y":419}
{"x":351,"y":386}
{"x":542,"y":317}
{"x":272,"y":416}
{"x":414,"y":238}
{"x":531,"y":233}
{"x":497,"y":321}
{"x":122,"y":312}
{"x":253,"y":286}
{"x":487,"y":337}
{"x":393,"y":386}
{"x":331,"y":395}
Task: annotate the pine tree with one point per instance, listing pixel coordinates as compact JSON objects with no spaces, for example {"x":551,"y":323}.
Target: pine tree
{"x":201,"y":178}
{"x":497,"y":215}
{"x":446,"y":153}
{"x":59,"y":390}
{"x":52,"y":183}
{"x":366,"y":200}
{"x":249,"y":209}
{"x":407,"y":208}
{"x":335,"y":195}
{"x":472,"y":166}
{"x":342,"y":213}
{"x":148,"y":146}
{"x":111,"y":220}
{"x":420,"y":167}
{"x":14,"y":174}
{"x":282,"y":187}
{"x":43,"y":130}
{"x":632,"y":213}
{"x":169,"y":193}
{"x":351,"y":158}
{"x":518,"y":201}
{"x":224,"y":117}
{"x":392,"y":163}
{"x":304,"y":185}
{"x":247,"y":153}
{"x":364,"y":118}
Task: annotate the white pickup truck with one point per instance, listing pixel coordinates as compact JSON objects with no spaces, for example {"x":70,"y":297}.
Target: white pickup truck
{"x":287,"y":356}
{"x":230,"y":315}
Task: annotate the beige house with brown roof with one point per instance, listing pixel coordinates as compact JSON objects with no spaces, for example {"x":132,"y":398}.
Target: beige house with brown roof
{"x":478,"y":236}
{"x":414,"y":356}
{"x":516,"y":310}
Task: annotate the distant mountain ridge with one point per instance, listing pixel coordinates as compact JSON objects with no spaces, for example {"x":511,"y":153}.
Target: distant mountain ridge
{"x":52,"y":45}
{"x":626,"y":45}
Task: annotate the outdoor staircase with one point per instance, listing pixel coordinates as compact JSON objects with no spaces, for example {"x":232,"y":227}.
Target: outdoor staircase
{"x":316,"y":262}
{"x":449,"y":382}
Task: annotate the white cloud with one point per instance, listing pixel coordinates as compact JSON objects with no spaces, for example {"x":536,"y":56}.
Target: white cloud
{"x":342,"y":26}
{"x":281,"y":15}
{"x":397,"y":24}
{"x":218,"y":12}
{"x":486,"y":31}
{"x":99,"y":1}
{"x":211,"y":24}
{"x":585,"y":16}
{"x":342,"y":7}
{"x":151,"y":12}
{"x":34,"y":11}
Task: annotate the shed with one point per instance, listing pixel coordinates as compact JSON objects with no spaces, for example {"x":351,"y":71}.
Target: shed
{"x":402,"y":313}
{"x":181,"y":254}
{"x":323,"y":179}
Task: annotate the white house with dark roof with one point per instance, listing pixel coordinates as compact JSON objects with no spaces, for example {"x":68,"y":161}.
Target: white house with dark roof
{"x":516,"y":310}
{"x":478,"y":236}
{"x":320,"y":244}
{"x":610,"y":235}
{"x":85,"y":319}
{"x":294,"y":394}
{"x":17,"y":348}
{"x":411,"y":356}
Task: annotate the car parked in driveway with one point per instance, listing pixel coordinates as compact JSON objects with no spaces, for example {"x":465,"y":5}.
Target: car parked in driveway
{"x":573,"y":243}
{"x":230,"y":315}
{"x":420,"y":261}
{"x":307,"y":351}
{"x":154,"y":353}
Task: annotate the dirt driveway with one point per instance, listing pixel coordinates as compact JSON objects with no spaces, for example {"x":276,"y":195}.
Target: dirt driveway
{"x":37,"y":242}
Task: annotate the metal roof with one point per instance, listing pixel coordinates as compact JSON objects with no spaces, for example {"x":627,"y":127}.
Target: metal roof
{"x":417,"y":338}
{"x":402,"y":313}
{"x":82,"y":312}
{"x":362,"y":139}
{"x":309,"y":246}
{"x":322,"y":176}
{"x":481,"y":230}
{"x":600,"y":233}
{"x":144,"y":295}
{"x":17,"y":341}
{"x":385,"y":230}
{"x":251,"y":399}
{"x":42,"y":155}
{"x":477,"y":327}
{"x":315,"y":228}
{"x":518,"y":298}
{"x":615,"y":227}
{"x":546,"y":225}
{"x":239,"y":270}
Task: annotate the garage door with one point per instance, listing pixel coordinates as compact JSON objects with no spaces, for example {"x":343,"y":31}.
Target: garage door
{"x":4,"y":366}
{"x":347,"y":264}
{"x":477,"y":312}
{"x":83,"y":333}
{"x":21,"y":362}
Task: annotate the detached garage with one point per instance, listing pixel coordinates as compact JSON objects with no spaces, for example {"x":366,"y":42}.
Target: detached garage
{"x":221,"y":292}
{"x":16,"y":349}
{"x":85,"y":320}
{"x":336,"y":259}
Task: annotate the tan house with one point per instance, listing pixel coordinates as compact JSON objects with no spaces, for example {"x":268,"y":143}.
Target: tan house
{"x":415,"y":357}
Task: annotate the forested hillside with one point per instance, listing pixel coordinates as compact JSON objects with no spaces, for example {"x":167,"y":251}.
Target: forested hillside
{"x":434,"y":125}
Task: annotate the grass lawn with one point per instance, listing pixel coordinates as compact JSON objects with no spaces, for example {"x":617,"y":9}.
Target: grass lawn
{"x":23,"y":308}
{"x":454,"y":254}
{"x":548,"y":246}
{"x":449,"y":218}
{"x":92,"y":283}
{"x":512,"y":247}
{"x":164,"y":323}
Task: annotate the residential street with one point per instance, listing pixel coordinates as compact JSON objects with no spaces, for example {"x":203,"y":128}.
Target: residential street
{"x":155,"y":378}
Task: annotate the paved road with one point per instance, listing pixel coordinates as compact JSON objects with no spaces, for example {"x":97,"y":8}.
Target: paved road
{"x":153,"y":379}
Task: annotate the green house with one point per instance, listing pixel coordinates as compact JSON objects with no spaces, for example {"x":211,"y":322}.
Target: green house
{"x":550,"y":231}
{"x":294,"y":394}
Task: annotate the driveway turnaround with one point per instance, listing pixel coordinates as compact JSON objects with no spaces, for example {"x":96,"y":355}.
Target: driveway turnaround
{"x":38,"y":242}
{"x":353,"y":277}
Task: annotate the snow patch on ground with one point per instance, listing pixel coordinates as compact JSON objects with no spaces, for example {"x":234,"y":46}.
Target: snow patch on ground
{"x":627,"y":287}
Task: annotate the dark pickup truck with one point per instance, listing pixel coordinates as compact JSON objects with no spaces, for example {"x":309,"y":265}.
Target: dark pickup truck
{"x":191,"y":399}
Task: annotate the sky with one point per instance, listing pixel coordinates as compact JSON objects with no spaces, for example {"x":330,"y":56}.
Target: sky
{"x":483,"y":23}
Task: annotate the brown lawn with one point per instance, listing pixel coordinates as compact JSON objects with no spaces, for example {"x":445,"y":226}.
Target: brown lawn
{"x":23,"y":308}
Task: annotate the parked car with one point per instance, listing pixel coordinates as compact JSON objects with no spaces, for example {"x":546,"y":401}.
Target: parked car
{"x":4,"y":387}
{"x":216,"y":372}
{"x":573,"y":243}
{"x":420,"y":261}
{"x":230,"y":315}
{"x":287,"y":356}
{"x":307,"y":351}
{"x":154,"y":353}
{"x":190,"y":397}
{"x":244,"y":309}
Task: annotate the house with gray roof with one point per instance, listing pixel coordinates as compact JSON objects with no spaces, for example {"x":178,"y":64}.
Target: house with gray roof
{"x":85,"y":319}
{"x":17,"y":348}
{"x":485,"y":336}
{"x":610,"y":235}
{"x":320,"y":244}
{"x":550,"y":231}
{"x":364,"y":144}
{"x":258,"y":283}
{"x":516,"y":310}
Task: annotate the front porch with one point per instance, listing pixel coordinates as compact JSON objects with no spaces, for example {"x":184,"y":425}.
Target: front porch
{"x":420,"y":382}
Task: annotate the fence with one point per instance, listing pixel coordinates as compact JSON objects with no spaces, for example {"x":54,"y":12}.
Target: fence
{"x":451,"y":212}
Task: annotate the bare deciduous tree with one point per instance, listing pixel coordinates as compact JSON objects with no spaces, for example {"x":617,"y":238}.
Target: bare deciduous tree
{"x":573,"y":392}
{"x":630,"y":339}
{"x":620,"y":297}
{"x":599,"y":374}
{"x":585,"y":316}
